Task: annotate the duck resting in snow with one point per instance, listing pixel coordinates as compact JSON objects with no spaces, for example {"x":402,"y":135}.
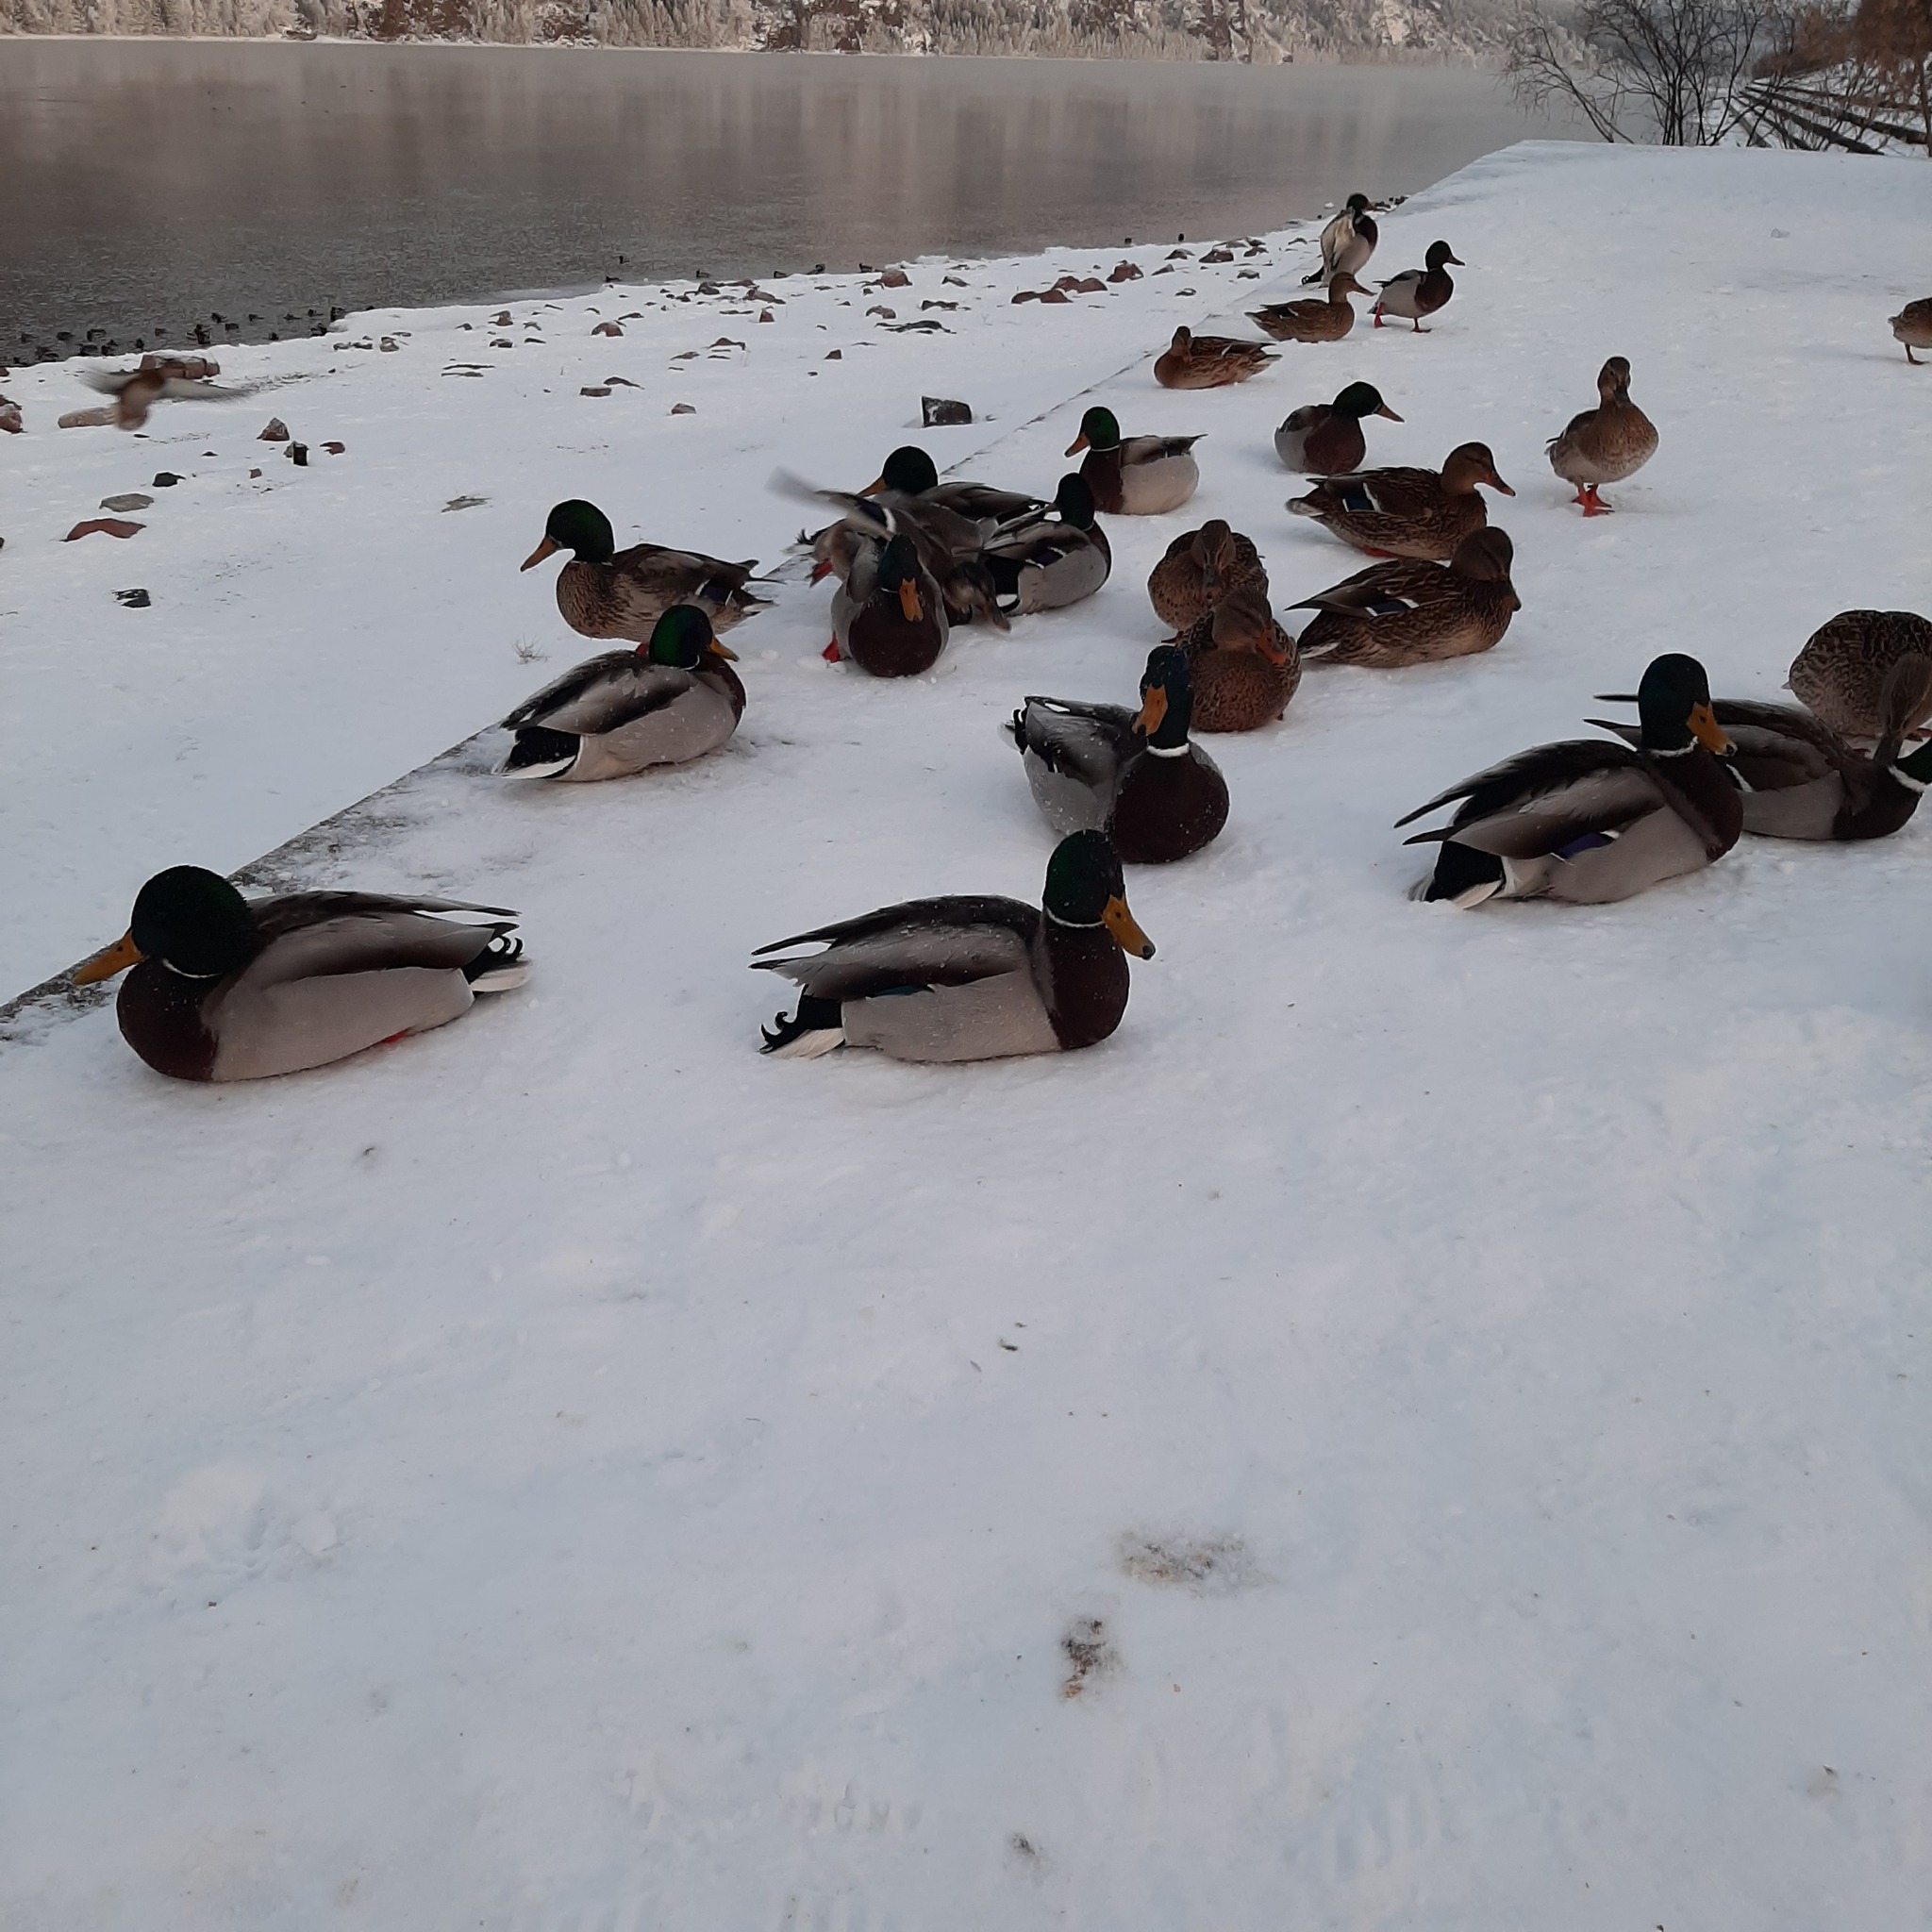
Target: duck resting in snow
{"x":1605,"y":444}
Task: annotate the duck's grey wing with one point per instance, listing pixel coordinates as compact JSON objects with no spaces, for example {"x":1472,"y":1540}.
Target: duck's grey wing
{"x":1085,"y":743}
{"x":948,"y":941}
{"x":1575,"y":777}
{"x":616,"y":689}
{"x":316,"y":935}
{"x":570,"y":688}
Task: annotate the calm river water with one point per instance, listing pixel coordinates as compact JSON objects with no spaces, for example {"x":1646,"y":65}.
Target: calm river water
{"x":145,"y":184}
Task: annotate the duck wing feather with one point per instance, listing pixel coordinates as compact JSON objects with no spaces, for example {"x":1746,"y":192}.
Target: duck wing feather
{"x":948,"y":941}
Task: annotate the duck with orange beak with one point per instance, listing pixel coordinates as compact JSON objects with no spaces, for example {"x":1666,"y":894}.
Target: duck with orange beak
{"x":888,"y":615}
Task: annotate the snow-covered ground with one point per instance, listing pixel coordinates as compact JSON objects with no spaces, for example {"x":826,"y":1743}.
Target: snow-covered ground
{"x":1445,"y":1392}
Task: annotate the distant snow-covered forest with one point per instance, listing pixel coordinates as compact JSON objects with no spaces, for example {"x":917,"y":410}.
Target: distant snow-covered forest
{"x":1259,"y":31}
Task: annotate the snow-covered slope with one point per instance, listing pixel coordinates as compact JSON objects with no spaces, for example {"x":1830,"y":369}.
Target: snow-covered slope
{"x":1443,"y":1392}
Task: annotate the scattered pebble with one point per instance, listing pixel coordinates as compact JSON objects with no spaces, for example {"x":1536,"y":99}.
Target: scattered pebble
{"x":276,"y":431}
{"x":337,"y":449}
{"x":684,"y":409}
{"x":135,"y":600}
{"x":112,"y":527}
{"x":1218,"y":255}
{"x":133,"y":500}
{"x":895,"y":278}
{"x":164,"y":480}
{"x":298,"y":453}
{"x":938,"y":412}
{"x":10,"y":416}
{"x":1125,"y":271}
{"x":607,"y":328}
{"x":601,"y":389}
{"x":463,"y":502}
{"x":86,"y":419}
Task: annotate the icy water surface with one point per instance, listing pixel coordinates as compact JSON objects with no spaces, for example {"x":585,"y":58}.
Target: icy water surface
{"x":152,"y":184}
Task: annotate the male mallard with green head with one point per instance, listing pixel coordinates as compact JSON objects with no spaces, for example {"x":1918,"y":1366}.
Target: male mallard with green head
{"x":1605,"y":444}
{"x":1134,"y":475}
{"x":1199,"y":569}
{"x":1591,"y":822}
{"x":1053,"y":558}
{"x":1133,"y":774}
{"x":1840,"y":676}
{"x":1406,"y":613}
{"x":1328,"y":320}
{"x":1802,"y":780}
{"x":889,"y":616}
{"x":607,"y":593}
{"x":1325,"y":439}
{"x":970,"y":978}
{"x":665,"y":703}
{"x":910,"y":480}
{"x":228,"y":989}
{"x":1418,"y":292}
{"x":1407,"y":512}
{"x":1347,"y":242}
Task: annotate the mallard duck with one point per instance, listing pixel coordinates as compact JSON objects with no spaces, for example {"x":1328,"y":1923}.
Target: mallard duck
{"x":910,"y":477}
{"x":1605,"y":444}
{"x":1802,"y":780}
{"x":1406,"y":512}
{"x":228,"y":989}
{"x":1326,"y":320}
{"x":1131,"y":775}
{"x":1588,"y":821}
{"x":1347,"y":242}
{"x":1418,"y":291}
{"x":1840,"y":676}
{"x":1048,"y":561}
{"x":1912,"y":326}
{"x":1193,"y":361}
{"x":1245,"y":667}
{"x":1325,"y":439}
{"x":607,"y":593}
{"x":1409,"y":612}
{"x":1138,"y":476}
{"x":666,"y":703}
{"x":1201,"y":566}
{"x":137,"y":391}
{"x":889,"y":616}
{"x":970,"y":978}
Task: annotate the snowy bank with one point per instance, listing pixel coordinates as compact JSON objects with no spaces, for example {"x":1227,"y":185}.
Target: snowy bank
{"x":1424,"y":1427}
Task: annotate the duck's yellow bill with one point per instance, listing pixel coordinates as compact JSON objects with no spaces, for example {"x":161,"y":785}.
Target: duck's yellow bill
{"x":874,"y":488}
{"x":908,"y":601}
{"x":1153,"y":709}
{"x":118,"y":957}
{"x":547,"y":548}
{"x":1078,"y":444}
{"x":1386,"y":410}
{"x":723,"y":650}
{"x":1127,"y":936}
{"x":1709,"y":732}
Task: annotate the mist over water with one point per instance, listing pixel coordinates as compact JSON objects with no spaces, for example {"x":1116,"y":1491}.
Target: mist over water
{"x":147,"y":184}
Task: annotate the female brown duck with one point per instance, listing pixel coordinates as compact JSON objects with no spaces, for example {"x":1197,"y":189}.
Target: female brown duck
{"x":1407,"y":512}
{"x":1406,"y":613}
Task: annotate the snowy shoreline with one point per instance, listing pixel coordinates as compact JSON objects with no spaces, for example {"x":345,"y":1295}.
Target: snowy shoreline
{"x":1423,"y":1427}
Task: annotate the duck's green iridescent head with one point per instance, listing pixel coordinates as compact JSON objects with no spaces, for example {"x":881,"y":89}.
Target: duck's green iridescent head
{"x":1074,"y":501}
{"x":909,"y":470}
{"x":681,"y":638}
{"x":1167,"y":699}
{"x":189,"y":919}
{"x":1099,"y":429}
{"x":579,"y":527}
{"x":899,"y":572}
{"x":1084,"y":887}
{"x":1439,"y":254}
{"x":1674,"y":706}
{"x":1361,"y":399}
{"x":1358,"y":204}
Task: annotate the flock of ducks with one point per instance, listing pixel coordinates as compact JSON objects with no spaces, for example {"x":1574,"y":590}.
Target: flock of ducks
{"x":223,"y":988}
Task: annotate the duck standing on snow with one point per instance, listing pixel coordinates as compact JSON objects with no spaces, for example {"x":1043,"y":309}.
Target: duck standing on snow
{"x":1325,"y":439}
{"x":1050,"y":559}
{"x":1200,"y":568}
{"x":970,"y":978}
{"x":1418,"y":292}
{"x":137,"y":391}
{"x":1912,"y":326}
{"x":1193,"y":361}
{"x":607,"y":593}
{"x":1591,"y":822}
{"x":1392,"y":615}
{"x":1313,"y":319}
{"x":1135,"y":475}
{"x":1841,"y":674}
{"x":1407,"y":512}
{"x":1245,"y":667}
{"x":1131,"y":775}
{"x":226,"y":989}
{"x":1802,"y":780}
{"x":1605,"y":444}
{"x":1347,"y":242}
{"x":665,"y":703}
{"x":887,"y":616}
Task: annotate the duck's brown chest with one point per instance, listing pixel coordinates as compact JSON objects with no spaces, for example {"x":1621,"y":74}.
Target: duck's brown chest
{"x":1167,"y":808}
{"x":159,"y":1012}
{"x":1083,"y":975}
